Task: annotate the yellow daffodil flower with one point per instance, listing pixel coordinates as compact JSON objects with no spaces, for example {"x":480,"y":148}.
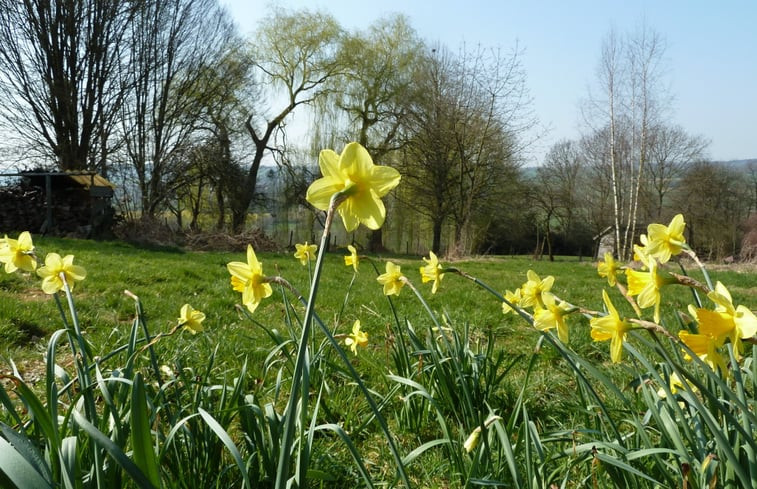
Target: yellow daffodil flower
{"x":675,"y":384}
{"x":392,"y":280}
{"x":356,"y":338}
{"x":552,"y":315}
{"x":250,"y":279}
{"x":432,"y":271}
{"x":705,"y":347}
{"x":647,"y":285}
{"x":18,"y":253}
{"x":471,"y":442}
{"x":56,"y":269}
{"x":352,"y":259}
{"x":665,"y":241}
{"x":641,"y":252}
{"x":610,"y":327}
{"x":305,"y":252}
{"x":608,"y":268}
{"x":532,"y":291}
{"x":362,"y":182}
{"x":191,"y":319}
{"x":514,"y":298}
{"x":727,"y":320}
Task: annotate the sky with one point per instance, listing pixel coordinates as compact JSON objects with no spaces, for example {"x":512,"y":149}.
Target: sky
{"x":710,"y":57}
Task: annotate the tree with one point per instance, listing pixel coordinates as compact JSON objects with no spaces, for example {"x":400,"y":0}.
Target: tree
{"x":294,"y":56}
{"x":554,"y":190}
{"x":715,"y":201}
{"x":464,"y":143}
{"x":376,"y":89}
{"x":61,"y":63}
{"x":670,"y":151}
{"x":630,"y":105}
{"x":173,"y":42}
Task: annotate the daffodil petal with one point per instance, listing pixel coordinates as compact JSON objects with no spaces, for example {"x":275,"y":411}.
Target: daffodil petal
{"x":328,"y":161}
{"x":384,"y":179}
{"x":356,"y":161}
{"x":319,"y":193}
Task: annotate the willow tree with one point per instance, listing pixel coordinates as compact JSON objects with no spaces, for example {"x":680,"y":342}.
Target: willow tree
{"x":373,"y":94}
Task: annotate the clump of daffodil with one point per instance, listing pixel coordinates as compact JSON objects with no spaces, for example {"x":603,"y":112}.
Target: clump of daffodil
{"x":532,"y":291}
{"x":362,"y":184}
{"x":392,"y":279}
{"x":513,"y":298}
{"x":432,"y":271}
{"x":248,"y":279}
{"x":646,"y":284}
{"x":305,"y":252}
{"x":666,"y":241}
{"x":610,"y":327}
{"x":191,"y":319}
{"x":357,"y":338}
{"x":352,"y":260}
{"x":18,"y":254}
{"x":552,"y":315}
{"x":56,"y":270}
{"x":609,"y":268}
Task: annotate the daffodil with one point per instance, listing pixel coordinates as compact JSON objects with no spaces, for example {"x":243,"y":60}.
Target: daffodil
{"x":191,"y":319}
{"x":471,"y":442}
{"x":352,"y":259}
{"x":726,"y":321}
{"x":552,"y":315}
{"x":356,"y":338}
{"x":647,"y":285}
{"x":532,"y":291}
{"x":248,"y":278}
{"x":610,"y":327}
{"x":705,"y":347}
{"x":608,"y":268}
{"x":675,"y":384}
{"x":362,"y":183}
{"x":305,"y":252}
{"x":18,"y":253}
{"x":432,"y":271}
{"x":665,"y":241}
{"x":392,"y":280}
{"x":513,"y":298}
{"x":56,"y":269}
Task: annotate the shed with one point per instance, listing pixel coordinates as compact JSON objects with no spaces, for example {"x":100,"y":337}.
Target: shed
{"x":61,"y":203}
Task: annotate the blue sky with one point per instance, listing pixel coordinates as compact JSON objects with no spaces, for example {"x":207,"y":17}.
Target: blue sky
{"x":711,"y":53}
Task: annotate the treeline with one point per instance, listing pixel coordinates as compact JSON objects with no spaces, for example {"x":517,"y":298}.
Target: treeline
{"x":196,"y":122}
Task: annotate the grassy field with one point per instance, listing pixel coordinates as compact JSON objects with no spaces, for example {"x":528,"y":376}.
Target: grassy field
{"x":165,"y":279}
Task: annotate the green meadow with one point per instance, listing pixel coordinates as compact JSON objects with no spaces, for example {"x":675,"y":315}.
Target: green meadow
{"x":547,"y":395}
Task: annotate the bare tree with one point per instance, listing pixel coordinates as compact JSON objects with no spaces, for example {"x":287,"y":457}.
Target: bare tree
{"x":670,"y":151}
{"x":173,"y":44}
{"x":60,"y":85}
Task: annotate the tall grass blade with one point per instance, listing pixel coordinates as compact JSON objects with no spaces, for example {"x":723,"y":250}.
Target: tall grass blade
{"x":226,"y":439}
{"x":142,"y":440}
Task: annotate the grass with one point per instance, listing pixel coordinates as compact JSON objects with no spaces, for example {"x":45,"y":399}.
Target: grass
{"x":165,"y":279}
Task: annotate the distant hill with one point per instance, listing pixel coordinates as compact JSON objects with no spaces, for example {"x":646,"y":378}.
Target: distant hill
{"x":738,"y":164}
